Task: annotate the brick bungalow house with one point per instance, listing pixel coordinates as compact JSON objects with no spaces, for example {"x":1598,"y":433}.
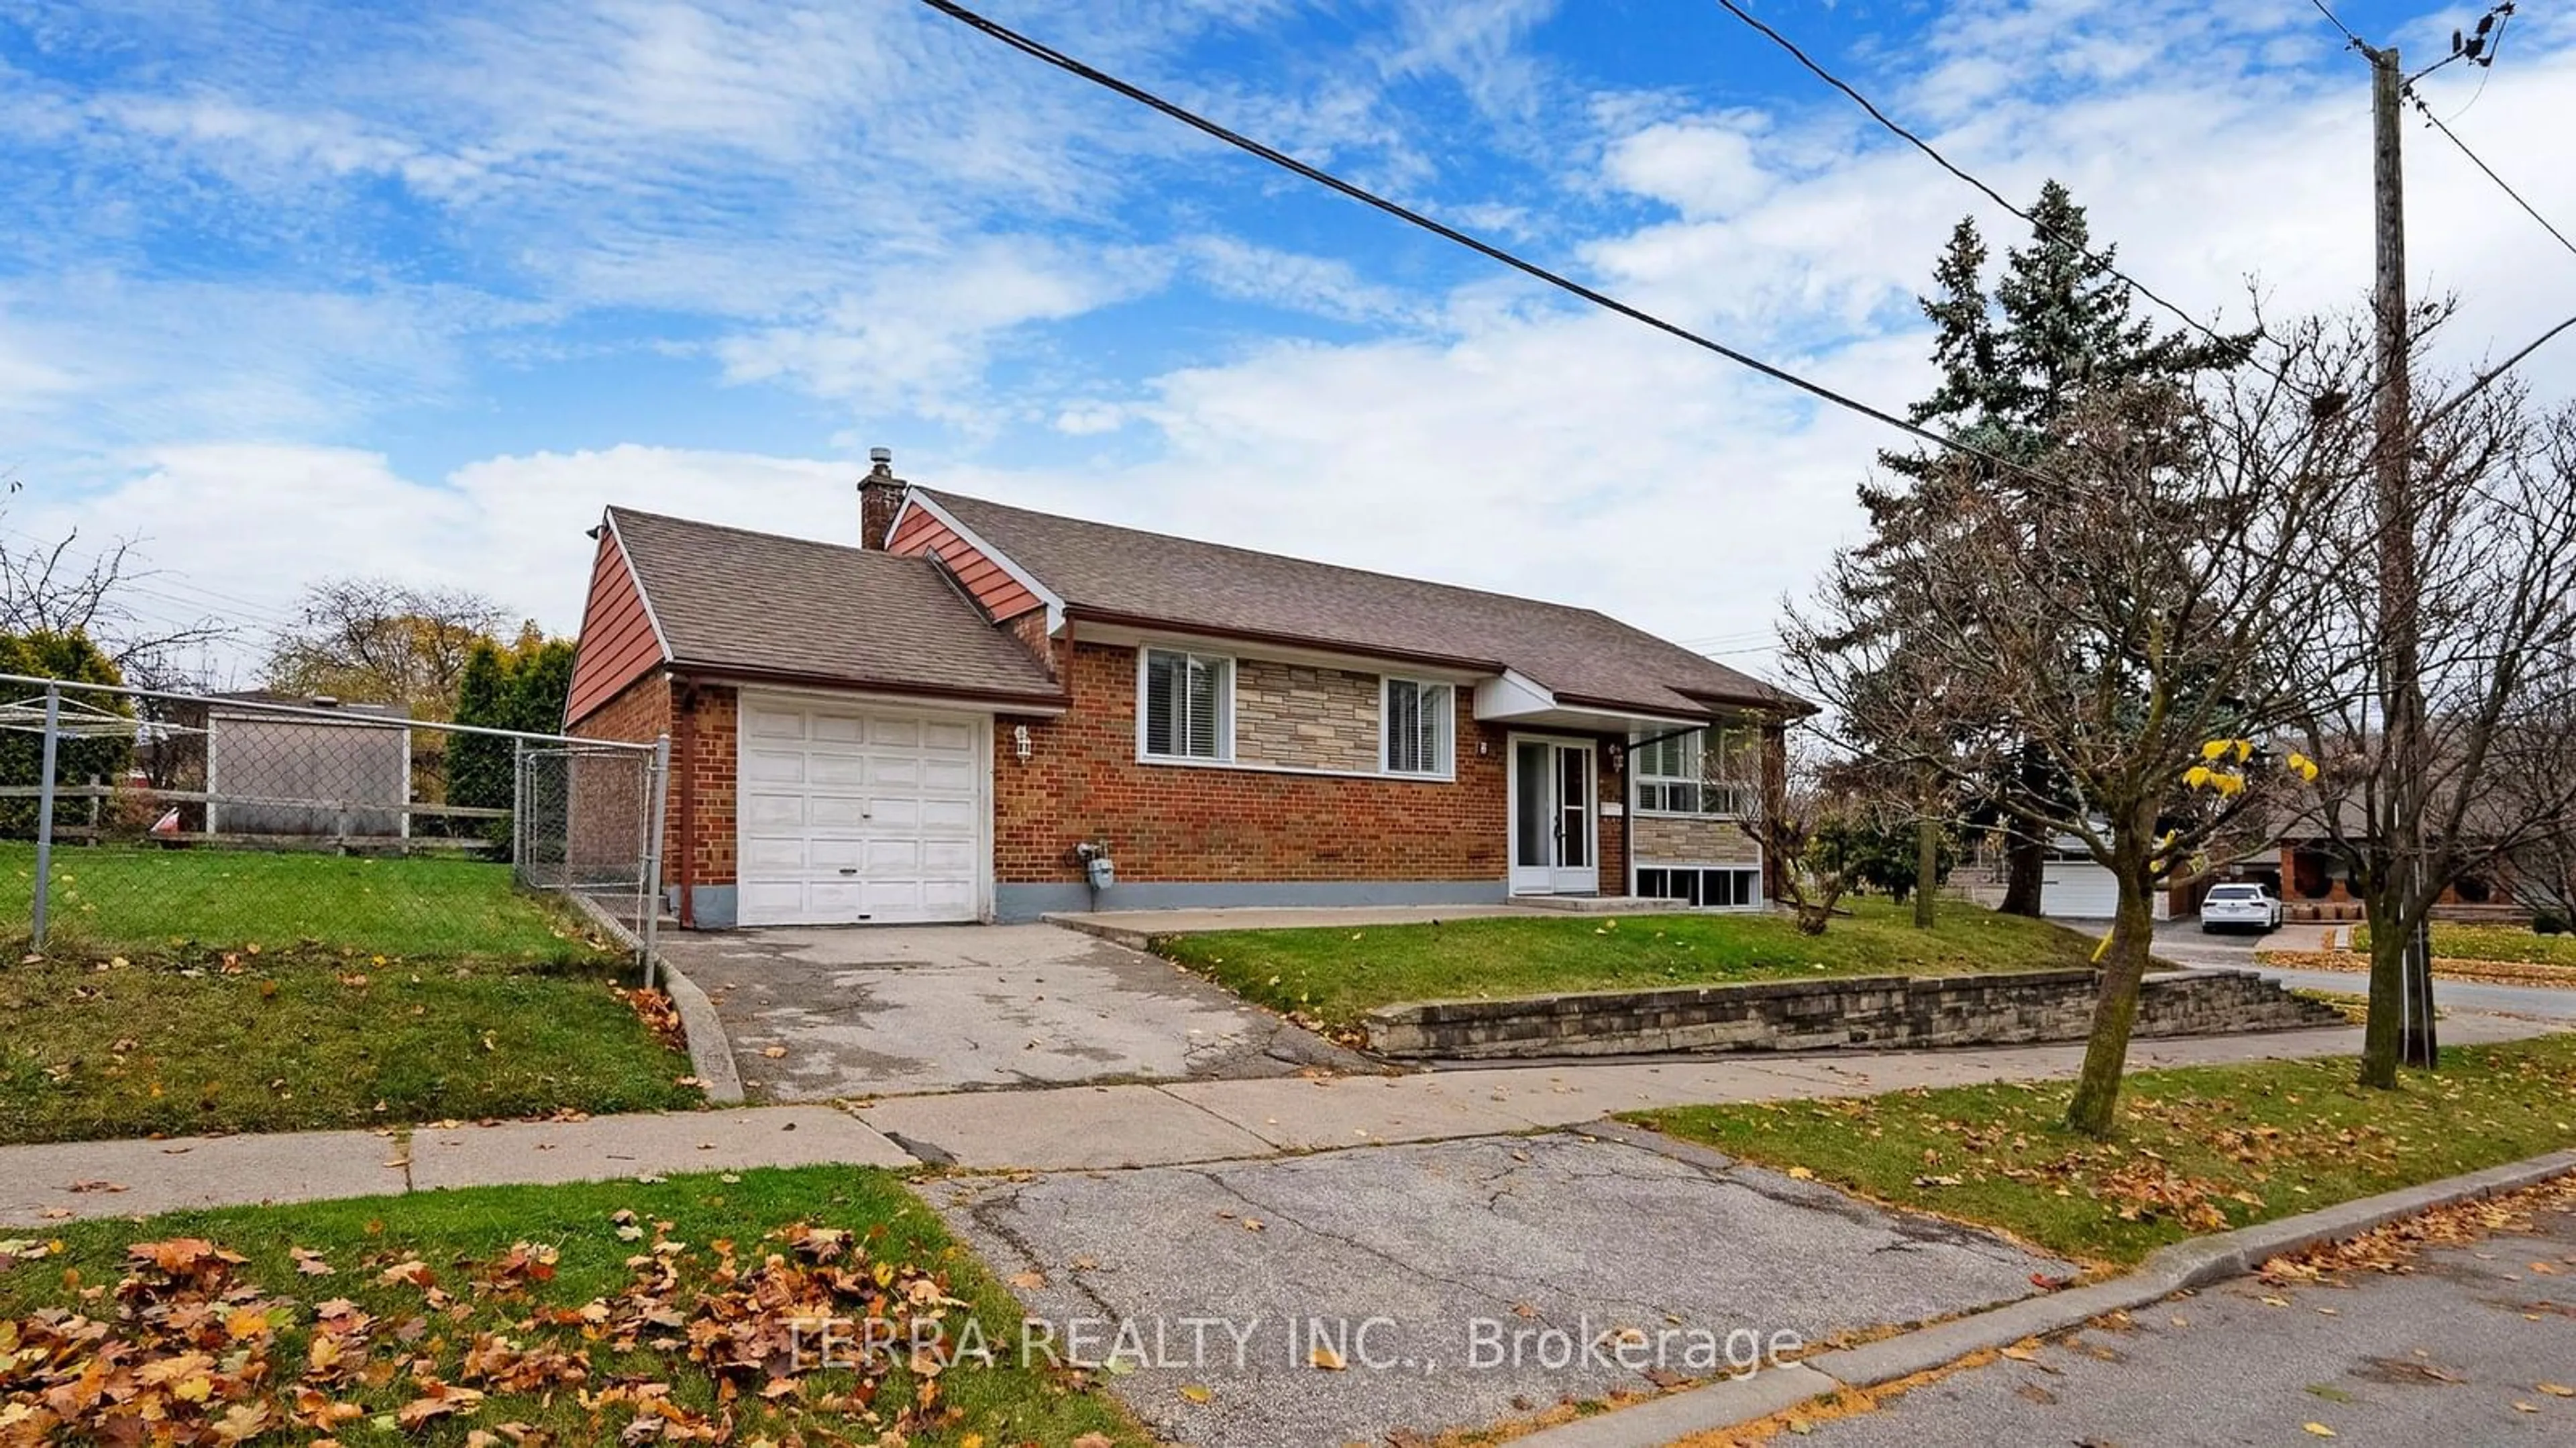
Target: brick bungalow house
{"x":949,"y":721}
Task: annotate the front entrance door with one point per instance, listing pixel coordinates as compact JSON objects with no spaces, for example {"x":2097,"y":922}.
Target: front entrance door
{"x":1553,"y":798}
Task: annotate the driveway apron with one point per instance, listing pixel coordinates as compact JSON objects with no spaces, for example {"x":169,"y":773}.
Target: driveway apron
{"x":822,"y":1014}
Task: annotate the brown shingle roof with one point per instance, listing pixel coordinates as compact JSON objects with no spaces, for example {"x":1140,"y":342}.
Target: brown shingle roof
{"x":1583,"y":656}
{"x":760,"y":604}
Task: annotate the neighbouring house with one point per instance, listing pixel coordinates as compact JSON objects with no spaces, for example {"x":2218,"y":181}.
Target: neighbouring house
{"x":984,"y":712}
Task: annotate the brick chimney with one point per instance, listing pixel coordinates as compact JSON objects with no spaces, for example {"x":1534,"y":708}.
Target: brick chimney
{"x":880,"y":495}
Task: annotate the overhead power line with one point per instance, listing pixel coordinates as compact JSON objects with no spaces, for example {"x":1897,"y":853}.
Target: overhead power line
{"x":1041,"y":51}
{"x":2474,"y":159}
{"x":1945,"y":163}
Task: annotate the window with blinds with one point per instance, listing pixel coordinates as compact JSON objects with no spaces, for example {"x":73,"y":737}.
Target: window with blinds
{"x":1417,"y":717}
{"x":1187,"y":701}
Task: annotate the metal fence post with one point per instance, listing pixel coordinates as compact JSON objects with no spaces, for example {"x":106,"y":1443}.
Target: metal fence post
{"x":45,"y":816}
{"x":519,"y":811}
{"x":648,"y":928}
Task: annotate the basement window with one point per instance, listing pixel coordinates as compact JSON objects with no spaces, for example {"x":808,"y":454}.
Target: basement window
{"x":1714,"y":888}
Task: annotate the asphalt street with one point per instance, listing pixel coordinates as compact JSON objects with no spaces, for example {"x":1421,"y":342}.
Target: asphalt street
{"x":2455,"y":1351}
{"x":2183,"y":943}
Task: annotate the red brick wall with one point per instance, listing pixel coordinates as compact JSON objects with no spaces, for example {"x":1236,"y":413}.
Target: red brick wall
{"x":709,"y":759}
{"x":1168,"y":822}
{"x":1613,"y":829}
{"x":704,"y":754}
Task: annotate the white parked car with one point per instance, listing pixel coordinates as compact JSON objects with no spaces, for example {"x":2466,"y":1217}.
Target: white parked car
{"x":2240,"y":907}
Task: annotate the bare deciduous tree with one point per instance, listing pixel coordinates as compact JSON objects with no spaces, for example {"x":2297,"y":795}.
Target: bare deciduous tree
{"x":375,"y":639}
{"x":2137,"y":613}
{"x":1785,"y":823}
{"x":65,"y":588}
{"x":2438,"y":689}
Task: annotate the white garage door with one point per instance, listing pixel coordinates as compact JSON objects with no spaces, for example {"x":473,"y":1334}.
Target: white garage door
{"x":2078,"y":890}
{"x":848,"y":815}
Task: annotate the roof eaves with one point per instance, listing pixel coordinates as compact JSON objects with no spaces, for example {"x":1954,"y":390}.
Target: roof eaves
{"x":999,"y":698}
{"x":1303,"y":641}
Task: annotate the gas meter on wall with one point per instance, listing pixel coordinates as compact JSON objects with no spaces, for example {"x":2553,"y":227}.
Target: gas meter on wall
{"x":1104,"y":872}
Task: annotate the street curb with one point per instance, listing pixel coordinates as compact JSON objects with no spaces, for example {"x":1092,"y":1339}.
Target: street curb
{"x":1115,"y":934}
{"x":2173,"y":1269}
{"x":1675,"y":1416}
{"x":710,"y":1054}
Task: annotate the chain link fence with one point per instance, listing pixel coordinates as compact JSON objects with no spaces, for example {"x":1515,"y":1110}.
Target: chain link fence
{"x":138,"y":820}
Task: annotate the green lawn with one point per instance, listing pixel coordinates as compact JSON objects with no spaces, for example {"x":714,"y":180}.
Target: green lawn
{"x":125,"y":898}
{"x":280,"y":1041}
{"x":649,"y":1289}
{"x":207,"y":990}
{"x":2202,"y":1149}
{"x":1335,"y":975}
{"x":2453,"y":940}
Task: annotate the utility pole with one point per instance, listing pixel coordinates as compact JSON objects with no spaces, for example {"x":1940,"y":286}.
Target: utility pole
{"x":2409,"y":999}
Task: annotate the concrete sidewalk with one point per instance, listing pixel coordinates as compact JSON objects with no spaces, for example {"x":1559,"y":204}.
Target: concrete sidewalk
{"x":1078,"y":1127}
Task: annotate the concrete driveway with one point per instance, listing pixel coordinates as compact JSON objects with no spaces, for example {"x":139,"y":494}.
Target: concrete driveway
{"x":1456,"y":1283}
{"x":822,"y":1014}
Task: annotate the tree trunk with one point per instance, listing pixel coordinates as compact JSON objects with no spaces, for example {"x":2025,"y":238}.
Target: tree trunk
{"x":2025,"y":871}
{"x":2106,"y":1054}
{"x":1927,"y":870}
{"x":2383,"y":1032}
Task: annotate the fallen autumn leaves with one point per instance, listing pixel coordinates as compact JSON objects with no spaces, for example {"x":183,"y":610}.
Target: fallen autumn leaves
{"x":185,"y":1351}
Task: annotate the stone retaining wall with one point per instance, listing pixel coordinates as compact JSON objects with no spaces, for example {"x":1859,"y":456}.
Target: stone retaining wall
{"x":1805,"y":1015}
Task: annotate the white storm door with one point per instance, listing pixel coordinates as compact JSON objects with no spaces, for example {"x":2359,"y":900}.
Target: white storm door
{"x":851,"y":815}
{"x":1553,"y":823}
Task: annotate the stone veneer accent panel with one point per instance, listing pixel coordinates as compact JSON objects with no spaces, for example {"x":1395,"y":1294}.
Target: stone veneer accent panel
{"x":1683,"y":840}
{"x":1305,"y":717}
{"x":1805,"y":1015}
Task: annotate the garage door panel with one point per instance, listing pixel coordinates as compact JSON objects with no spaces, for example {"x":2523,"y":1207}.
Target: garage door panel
{"x":763,"y":854}
{"x":852,"y":815}
{"x":773,"y":766}
{"x":886,"y":858}
{"x":838,"y":728}
{"x":837,"y":771}
{"x":948,"y":816}
{"x":765,"y":811}
{"x":836,"y":812}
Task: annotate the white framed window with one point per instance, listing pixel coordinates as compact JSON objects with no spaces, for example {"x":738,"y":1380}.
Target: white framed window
{"x":1417,"y":721}
{"x":1184,"y":705}
{"x":1693,"y":773}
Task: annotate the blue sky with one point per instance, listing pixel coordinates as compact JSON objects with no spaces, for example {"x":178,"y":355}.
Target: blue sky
{"x":293,"y":289}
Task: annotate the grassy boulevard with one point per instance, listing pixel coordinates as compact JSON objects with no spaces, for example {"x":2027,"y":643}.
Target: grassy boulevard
{"x":2202,"y":1149}
{"x":562,"y":1315}
{"x":1335,"y":975}
{"x":224,"y":991}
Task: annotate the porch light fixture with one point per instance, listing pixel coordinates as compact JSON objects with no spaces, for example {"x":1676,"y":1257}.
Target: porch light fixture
{"x":1020,"y":741}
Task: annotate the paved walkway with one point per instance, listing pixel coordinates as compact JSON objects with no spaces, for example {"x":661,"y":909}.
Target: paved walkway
{"x":1080,"y":1127}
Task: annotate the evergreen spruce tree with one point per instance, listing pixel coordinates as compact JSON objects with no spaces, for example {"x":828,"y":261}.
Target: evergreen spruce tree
{"x":2057,"y":323}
